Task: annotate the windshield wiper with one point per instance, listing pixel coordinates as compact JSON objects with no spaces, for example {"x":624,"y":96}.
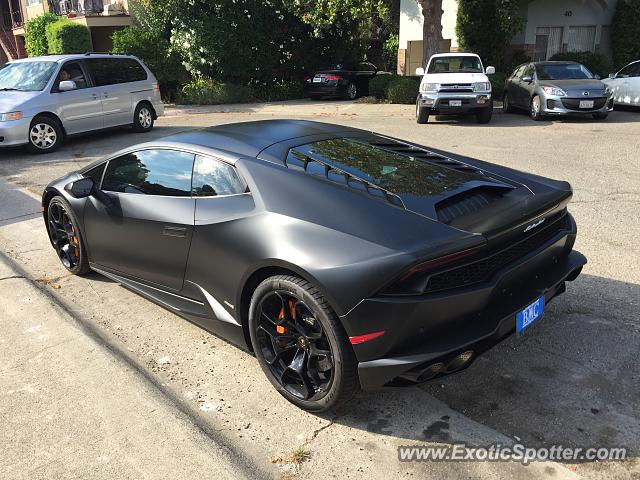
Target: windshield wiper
{"x":5,"y":89}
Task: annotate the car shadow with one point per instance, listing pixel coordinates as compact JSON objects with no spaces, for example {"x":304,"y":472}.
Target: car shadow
{"x":573,"y":380}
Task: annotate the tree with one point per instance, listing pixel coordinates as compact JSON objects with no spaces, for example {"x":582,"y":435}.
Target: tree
{"x":36,"y":35}
{"x":625,"y":39}
{"x":431,"y":28}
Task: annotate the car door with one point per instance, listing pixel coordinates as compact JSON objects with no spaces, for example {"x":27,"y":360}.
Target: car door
{"x":114,"y":77}
{"x":79,"y":109}
{"x":525,"y":89}
{"x":146,"y":231}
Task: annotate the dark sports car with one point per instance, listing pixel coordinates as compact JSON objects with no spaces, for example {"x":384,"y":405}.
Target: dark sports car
{"x":342,"y":258}
{"x":345,"y":80}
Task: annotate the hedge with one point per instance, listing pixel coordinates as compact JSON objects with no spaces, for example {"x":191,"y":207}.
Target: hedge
{"x":205,"y":91}
{"x":595,"y":62}
{"x":35,"y":35}
{"x":395,"y":88}
{"x":65,"y":36}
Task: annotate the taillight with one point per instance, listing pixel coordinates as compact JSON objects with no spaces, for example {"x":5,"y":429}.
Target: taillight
{"x":156,"y":87}
{"x":411,"y":281}
{"x":332,"y":78}
{"x":307,"y":78}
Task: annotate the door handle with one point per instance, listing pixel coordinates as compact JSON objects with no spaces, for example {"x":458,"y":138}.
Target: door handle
{"x":180,"y":232}
{"x":94,"y":95}
{"x":106,"y":94}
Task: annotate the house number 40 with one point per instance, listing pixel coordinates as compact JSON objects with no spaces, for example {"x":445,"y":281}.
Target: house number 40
{"x":568,"y":13}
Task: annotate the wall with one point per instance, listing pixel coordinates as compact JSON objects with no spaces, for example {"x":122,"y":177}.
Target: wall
{"x":411,"y":22}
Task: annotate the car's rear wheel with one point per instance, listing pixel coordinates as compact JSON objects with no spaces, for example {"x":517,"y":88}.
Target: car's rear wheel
{"x":66,"y":237}
{"x":422,"y":114}
{"x":536,"y":109}
{"x":143,"y":118}
{"x":301,"y":345}
{"x":352,"y":91}
{"x":45,"y":135}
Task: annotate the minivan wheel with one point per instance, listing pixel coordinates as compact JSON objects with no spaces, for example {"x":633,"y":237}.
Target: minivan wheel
{"x":45,"y":135}
{"x":301,"y":345}
{"x":143,"y":118}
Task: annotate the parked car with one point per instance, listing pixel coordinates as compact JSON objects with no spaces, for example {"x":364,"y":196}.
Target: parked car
{"x":454,"y":84}
{"x":556,"y":89}
{"x":625,"y":85}
{"x":413,"y":264}
{"x":346,"y":80}
{"x":45,"y":99}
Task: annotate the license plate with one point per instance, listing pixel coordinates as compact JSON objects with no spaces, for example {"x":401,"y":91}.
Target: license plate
{"x":317,"y":79}
{"x":455,"y":103}
{"x":586,"y":103}
{"x":528,"y":315}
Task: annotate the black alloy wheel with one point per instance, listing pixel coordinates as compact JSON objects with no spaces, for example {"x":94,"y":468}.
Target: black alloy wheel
{"x":65,"y":236}
{"x":299,"y":344}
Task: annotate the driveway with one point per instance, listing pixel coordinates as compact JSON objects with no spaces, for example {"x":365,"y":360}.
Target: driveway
{"x":574,"y":380}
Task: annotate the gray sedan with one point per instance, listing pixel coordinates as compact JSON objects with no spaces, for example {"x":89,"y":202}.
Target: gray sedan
{"x":555,"y":89}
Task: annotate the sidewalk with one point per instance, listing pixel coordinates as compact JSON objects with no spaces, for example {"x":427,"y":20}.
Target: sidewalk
{"x":69,"y":408}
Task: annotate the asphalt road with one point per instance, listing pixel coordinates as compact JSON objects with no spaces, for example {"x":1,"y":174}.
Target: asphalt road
{"x":573,"y":380}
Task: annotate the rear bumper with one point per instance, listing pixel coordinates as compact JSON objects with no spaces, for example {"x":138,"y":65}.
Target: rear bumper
{"x":325,"y":89}
{"x":424,"y":330}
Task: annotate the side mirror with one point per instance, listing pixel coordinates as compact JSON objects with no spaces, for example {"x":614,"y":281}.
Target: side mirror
{"x":81,"y":188}
{"x":420,"y":72}
{"x":67,"y":85}
{"x":527,"y":79}
{"x":490,"y":70}
{"x":612,"y":76}
{"x":597,"y":77}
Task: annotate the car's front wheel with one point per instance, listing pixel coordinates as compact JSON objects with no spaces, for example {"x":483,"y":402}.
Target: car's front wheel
{"x":484,"y":115}
{"x":45,"y":135}
{"x":301,"y":345}
{"x":535,"y":110}
{"x":422,"y":114}
{"x":66,"y":237}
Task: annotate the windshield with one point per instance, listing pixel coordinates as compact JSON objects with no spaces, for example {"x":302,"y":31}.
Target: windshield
{"x":568,"y":71}
{"x":455,"y":64}
{"x":26,"y":76}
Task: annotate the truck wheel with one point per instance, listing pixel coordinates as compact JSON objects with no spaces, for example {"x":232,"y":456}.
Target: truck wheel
{"x":484,"y":115}
{"x":422,"y":114}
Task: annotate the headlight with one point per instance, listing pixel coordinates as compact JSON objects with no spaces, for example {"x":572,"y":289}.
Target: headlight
{"x":5,"y":117}
{"x":482,"y":87}
{"x":607,"y":91}
{"x":554,"y":91}
{"x":429,"y":87}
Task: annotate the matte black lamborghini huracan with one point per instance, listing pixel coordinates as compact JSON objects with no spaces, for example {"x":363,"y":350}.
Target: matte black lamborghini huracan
{"x":344,"y":259}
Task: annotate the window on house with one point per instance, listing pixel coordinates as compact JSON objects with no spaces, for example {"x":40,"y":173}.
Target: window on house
{"x":548,"y":43}
{"x":581,"y":39}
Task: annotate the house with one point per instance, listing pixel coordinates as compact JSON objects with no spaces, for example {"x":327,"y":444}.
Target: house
{"x":550,"y":27}
{"x":102,"y":17}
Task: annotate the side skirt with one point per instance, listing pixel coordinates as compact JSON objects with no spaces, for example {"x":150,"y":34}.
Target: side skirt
{"x":206,"y":314}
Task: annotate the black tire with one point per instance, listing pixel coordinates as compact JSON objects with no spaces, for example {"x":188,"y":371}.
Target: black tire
{"x":66,"y":237}
{"x":276,"y":294}
{"x":484,"y":115}
{"x":422,"y":114}
{"x":506,"y":104}
{"x":535,"y":109}
{"x":600,"y":116}
{"x":45,"y":135}
{"x":351,"y":92}
{"x":143,"y":118}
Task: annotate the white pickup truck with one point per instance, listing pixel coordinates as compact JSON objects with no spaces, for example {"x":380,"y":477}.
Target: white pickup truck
{"x":454,"y":84}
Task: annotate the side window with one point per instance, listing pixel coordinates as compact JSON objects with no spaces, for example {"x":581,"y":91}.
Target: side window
{"x":95,"y":174}
{"x":212,"y":177}
{"x":529,"y":71}
{"x":110,"y":71}
{"x":636,"y":72}
{"x":517,"y":74}
{"x":150,"y":172}
{"x":72,"y":71}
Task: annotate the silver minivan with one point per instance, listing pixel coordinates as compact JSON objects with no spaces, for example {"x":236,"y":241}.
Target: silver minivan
{"x":45,"y":99}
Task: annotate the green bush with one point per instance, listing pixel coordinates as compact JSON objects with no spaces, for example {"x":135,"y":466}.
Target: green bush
{"x":378,"y":85}
{"x":519,"y":57}
{"x":155,"y":51}
{"x":35,"y":35}
{"x":595,"y":62}
{"x":497,"y":84}
{"x":625,"y":36}
{"x":205,"y":91}
{"x":279,"y":92}
{"x":403,"y":90}
{"x":65,"y":36}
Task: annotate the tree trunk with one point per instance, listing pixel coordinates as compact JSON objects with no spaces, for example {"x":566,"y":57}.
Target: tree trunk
{"x":432,"y":28}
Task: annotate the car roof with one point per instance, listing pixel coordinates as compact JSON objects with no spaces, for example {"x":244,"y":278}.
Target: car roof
{"x":74,"y":56}
{"x":455,"y":54}
{"x":251,"y":138}
{"x":556,"y":62}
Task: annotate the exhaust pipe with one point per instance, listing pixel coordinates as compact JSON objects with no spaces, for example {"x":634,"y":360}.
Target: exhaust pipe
{"x":459,"y":362}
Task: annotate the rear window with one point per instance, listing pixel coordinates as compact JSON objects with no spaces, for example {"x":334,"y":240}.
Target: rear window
{"x":400,"y":174}
{"x":110,"y":71}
